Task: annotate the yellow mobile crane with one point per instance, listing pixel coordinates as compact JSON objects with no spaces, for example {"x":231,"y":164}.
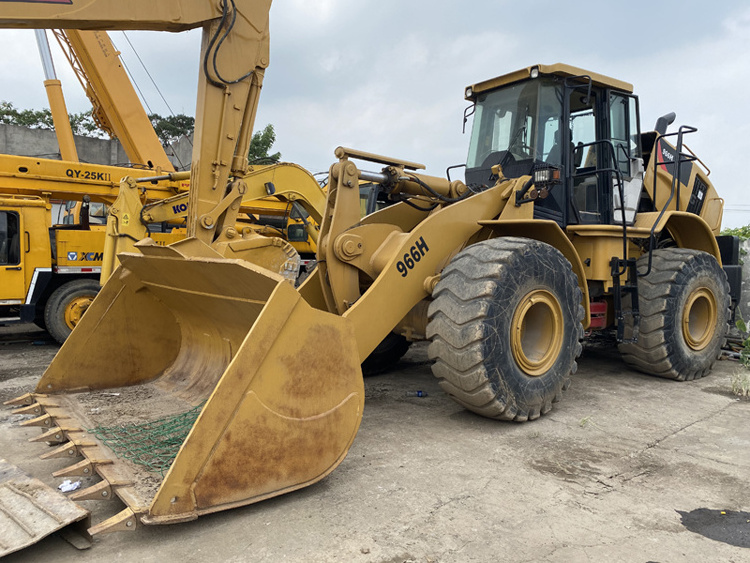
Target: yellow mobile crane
{"x":598,"y":227}
{"x":49,"y":274}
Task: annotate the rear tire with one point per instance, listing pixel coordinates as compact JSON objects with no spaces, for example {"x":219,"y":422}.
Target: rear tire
{"x":66,"y":306}
{"x":505,"y":326}
{"x":684,"y":308}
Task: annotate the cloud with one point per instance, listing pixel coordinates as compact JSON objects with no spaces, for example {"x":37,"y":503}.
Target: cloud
{"x":388,"y":76}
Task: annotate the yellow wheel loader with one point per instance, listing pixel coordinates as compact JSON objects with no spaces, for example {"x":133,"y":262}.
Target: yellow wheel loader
{"x":233,"y":386}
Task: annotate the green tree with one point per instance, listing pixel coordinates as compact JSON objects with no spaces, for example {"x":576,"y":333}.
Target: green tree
{"x":81,"y":123}
{"x":168,"y":129}
{"x":261,"y":144}
{"x":172,"y":127}
{"x":25,"y":118}
{"x":742,"y":232}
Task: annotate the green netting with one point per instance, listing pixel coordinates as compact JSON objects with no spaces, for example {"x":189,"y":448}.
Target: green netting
{"x":152,"y":444}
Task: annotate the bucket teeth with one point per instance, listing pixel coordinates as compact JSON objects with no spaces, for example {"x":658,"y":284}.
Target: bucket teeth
{"x":68,"y":449}
{"x":54,"y":435}
{"x":125,"y":521}
{"x":100,"y":491}
{"x":45,"y":421}
{"x":84,"y":468}
{"x":34,"y":408}
{"x":25,"y":399}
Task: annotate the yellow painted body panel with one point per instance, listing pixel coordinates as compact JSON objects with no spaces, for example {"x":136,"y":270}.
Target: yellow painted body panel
{"x":558,"y":69}
{"x":713,"y":206}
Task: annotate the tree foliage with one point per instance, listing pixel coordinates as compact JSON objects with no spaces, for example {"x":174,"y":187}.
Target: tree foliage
{"x":168,"y":129}
{"x":261,"y":144}
{"x":80,"y":123}
{"x":171,"y":127}
{"x":742,"y":232}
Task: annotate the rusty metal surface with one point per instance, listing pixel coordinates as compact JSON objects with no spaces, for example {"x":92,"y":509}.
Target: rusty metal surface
{"x":30,"y":510}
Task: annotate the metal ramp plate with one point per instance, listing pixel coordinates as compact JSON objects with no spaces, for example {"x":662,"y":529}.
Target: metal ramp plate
{"x":30,"y":510}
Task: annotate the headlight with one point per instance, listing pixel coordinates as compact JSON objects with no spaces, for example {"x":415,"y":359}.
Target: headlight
{"x":546,"y":176}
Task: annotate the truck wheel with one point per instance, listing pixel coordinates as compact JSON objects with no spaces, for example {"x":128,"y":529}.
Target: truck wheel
{"x":505,"y":326}
{"x":386,"y":355}
{"x":66,"y":306}
{"x":684,"y":309}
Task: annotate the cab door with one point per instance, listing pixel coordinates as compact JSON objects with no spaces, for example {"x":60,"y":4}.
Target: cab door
{"x":12,"y":278}
{"x":625,"y":135}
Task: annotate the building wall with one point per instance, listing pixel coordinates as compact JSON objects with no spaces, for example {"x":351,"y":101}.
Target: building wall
{"x":22,"y":141}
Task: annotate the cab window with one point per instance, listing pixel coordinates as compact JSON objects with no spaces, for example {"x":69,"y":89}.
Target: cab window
{"x":10,"y":240}
{"x":623,"y":118}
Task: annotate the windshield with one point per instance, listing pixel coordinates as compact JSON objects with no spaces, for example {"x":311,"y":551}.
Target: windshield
{"x":516,"y":126}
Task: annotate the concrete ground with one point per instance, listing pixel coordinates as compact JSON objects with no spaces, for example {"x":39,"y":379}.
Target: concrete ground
{"x":626,"y":468}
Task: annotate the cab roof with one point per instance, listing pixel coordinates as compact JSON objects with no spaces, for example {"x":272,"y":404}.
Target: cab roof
{"x":558,"y":69}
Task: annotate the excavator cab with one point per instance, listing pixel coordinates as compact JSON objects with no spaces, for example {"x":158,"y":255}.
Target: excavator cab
{"x":586,"y":128}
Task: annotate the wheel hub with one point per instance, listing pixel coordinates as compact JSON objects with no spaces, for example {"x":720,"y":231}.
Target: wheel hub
{"x":699,"y":318}
{"x":537,"y":332}
{"x":75,"y":310}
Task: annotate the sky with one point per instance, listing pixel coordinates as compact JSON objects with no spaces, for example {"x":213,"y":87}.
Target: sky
{"x":388,"y":76}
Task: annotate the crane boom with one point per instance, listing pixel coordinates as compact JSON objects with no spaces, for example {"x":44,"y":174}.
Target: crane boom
{"x":116,"y":107}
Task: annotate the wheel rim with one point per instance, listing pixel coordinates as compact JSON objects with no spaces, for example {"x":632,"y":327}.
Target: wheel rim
{"x":75,"y":310}
{"x":699,"y":318}
{"x":537,"y":332}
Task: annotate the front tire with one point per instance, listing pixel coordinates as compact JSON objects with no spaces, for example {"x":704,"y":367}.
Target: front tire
{"x":505,"y":326}
{"x":66,"y":306}
{"x":388,"y":353}
{"x":684,"y":308}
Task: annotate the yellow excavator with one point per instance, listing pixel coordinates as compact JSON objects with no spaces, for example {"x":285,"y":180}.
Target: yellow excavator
{"x":570,"y":220}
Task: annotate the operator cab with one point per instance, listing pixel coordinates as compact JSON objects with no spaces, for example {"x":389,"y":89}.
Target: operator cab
{"x":549,"y":117}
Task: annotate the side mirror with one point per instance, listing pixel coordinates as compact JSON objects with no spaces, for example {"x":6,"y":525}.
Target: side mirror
{"x":663,"y":122}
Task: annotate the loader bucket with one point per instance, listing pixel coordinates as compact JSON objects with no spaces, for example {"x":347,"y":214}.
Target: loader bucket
{"x":274,"y":386}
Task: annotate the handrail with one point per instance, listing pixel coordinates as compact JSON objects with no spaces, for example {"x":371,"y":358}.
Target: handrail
{"x":675,"y":183}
